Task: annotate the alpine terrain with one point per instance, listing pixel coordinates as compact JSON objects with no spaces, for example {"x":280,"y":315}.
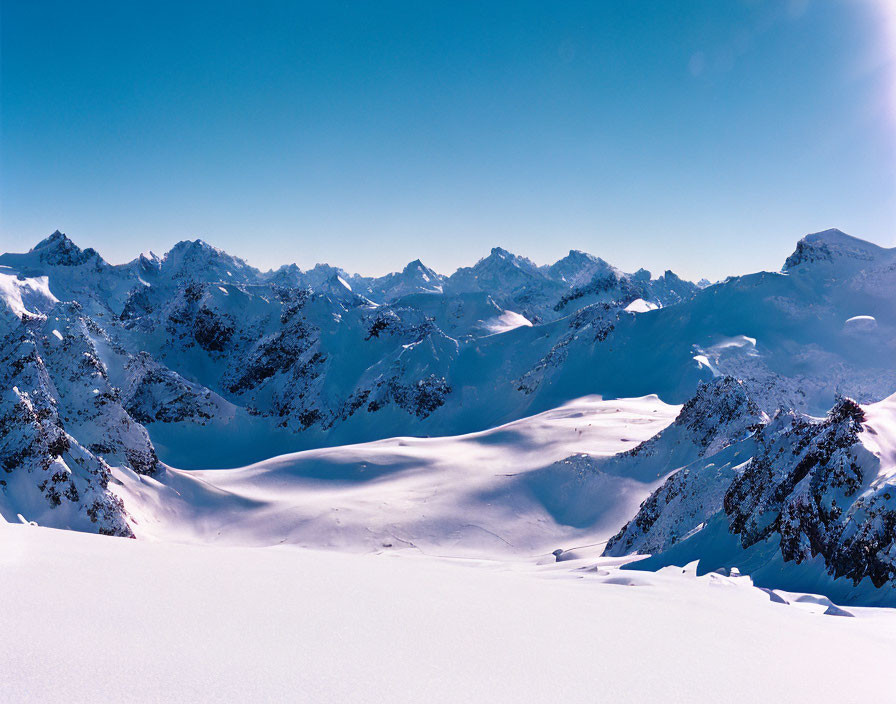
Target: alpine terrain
{"x":514,"y":437}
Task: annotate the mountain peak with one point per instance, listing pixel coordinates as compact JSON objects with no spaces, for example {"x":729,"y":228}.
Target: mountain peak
{"x":59,"y":250}
{"x":195,"y":245}
{"x":499,"y":254}
{"x":199,"y":247}
{"x":192,"y":258}
{"x":52,"y":240}
{"x":829,"y":245}
{"x":578,"y":268}
{"x":325,"y":271}
{"x":579,"y":254}
{"x":831,"y":233}
{"x":418,"y":270}
{"x":338,"y":282}
{"x":670,"y":275}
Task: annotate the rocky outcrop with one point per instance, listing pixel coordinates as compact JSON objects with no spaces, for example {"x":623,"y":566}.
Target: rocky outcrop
{"x":46,"y":475}
{"x":800,"y":483}
{"x":807,"y":486}
{"x":707,"y":441}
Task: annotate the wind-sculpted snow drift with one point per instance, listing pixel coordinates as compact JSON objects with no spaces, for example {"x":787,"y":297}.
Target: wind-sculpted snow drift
{"x":113,"y":374}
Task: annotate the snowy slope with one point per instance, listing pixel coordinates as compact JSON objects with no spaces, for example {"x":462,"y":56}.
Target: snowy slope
{"x":23,"y":296}
{"x":487,"y":513}
{"x":304,"y":359}
{"x":90,"y":618}
{"x":197,"y":359}
{"x":497,"y":492}
{"x":786,"y":334}
{"x":798,"y":503}
{"x":321,"y":357}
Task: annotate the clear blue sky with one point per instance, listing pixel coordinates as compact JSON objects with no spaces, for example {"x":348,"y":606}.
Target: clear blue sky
{"x":704,"y":136}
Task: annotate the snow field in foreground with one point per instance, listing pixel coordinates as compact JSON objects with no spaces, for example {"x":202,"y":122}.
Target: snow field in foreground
{"x":90,"y":618}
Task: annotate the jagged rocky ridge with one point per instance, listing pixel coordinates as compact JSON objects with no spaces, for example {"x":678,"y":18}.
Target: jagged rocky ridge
{"x":198,"y":342}
{"x":61,"y":427}
{"x":309,"y":350}
{"x":792,"y":489}
{"x":92,"y":352}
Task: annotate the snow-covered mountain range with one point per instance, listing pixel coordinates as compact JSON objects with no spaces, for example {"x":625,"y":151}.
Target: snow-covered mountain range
{"x":781,"y":459}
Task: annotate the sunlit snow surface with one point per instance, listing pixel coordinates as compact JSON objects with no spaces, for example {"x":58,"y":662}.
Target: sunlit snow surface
{"x":485,"y":494}
{"x":639,"y":305}
{"x":428,"y":568}
{"x":26,"y":296}
{"x":88,"y":618}
{"x":458,"y":575}
{"x":508,"y":320}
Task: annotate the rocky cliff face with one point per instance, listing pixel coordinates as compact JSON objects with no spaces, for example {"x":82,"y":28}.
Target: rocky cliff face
{"x":809,"y":487}
{"x":706,"y":441}
{"x":802,"y":487}
{"x":48,"y":475}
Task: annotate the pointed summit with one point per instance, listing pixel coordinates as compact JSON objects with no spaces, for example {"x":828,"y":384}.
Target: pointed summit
{"x":416,"y":277}
{"x":59,"y":250}
{"x":289,"y":275}
{"x":196,"y":245}
{"x":419,"y":271}
{"x":321,"y":274}
{"x":197,"y":259}
{"x":500,"y":273}
{"x":54,"y":240}
{"x":578,"y":268}
{"x":333,"y":284}
{"x":413,"y":266}
{"x":500,"y":256}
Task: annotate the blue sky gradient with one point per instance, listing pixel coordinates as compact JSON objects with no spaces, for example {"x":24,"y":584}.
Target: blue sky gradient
{"x":704,"y":136}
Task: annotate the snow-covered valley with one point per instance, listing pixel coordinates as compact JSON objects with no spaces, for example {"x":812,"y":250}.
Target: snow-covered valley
{"x":524,"y":488}
{"x":619,"y":483}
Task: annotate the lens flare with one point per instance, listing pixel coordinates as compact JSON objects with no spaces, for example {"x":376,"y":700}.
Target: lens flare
{"x":886,"y":12}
